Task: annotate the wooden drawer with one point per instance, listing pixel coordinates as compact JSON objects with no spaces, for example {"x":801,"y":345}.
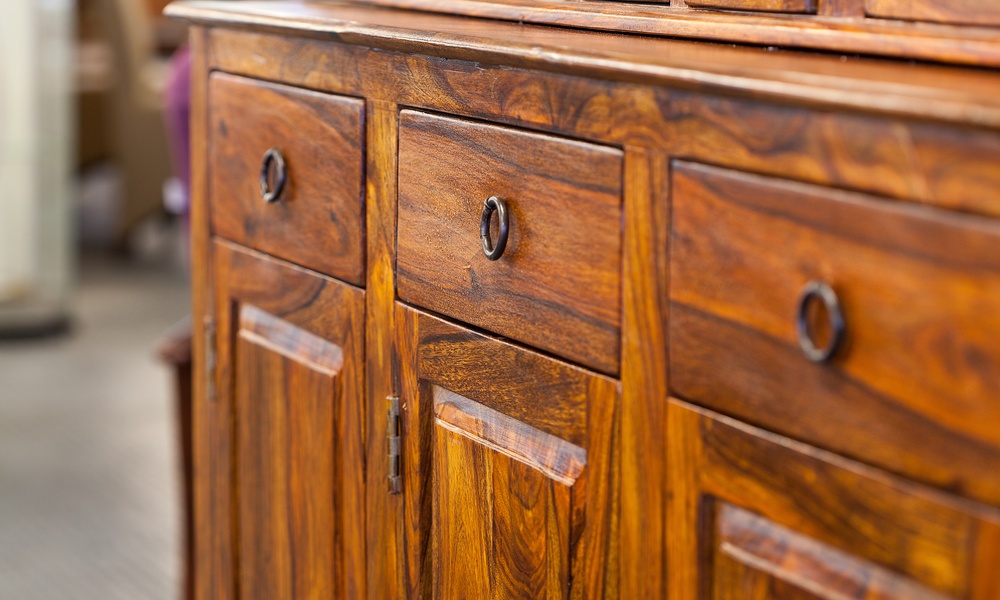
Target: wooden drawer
{"x":960,"y":12}
{"x":317,"y":221}
{"x":754,"y":515}
{"x":914,"y":385}
{"x":557,"y":284}
{"x":783,"y":6}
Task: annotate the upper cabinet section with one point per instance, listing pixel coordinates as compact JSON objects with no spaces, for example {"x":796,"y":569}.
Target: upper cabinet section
{"x":286,"y":173}
{"x":514,"y":232}
{"x":961,"y":12}
{"x":785,"y":6}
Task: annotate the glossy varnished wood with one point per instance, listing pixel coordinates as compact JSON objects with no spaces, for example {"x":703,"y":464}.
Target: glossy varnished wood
{"x":968,"y":12}
{"x":557,"y":285}
{"x":290,"y":371}
{"x":510,"y":475}
{"x":522,"y":475}
{"x":923,"y":41}
{"x":926,"y":162}
{"x":643,"y":541}
{"x":784,"y":6}
{"x":754,"y":515}
{"x":914,"y":387}
{"x":317,"y":221}
{"x":384,"y":526}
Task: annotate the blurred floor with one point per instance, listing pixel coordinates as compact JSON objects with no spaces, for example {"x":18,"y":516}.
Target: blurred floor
{"x":88,"y":467}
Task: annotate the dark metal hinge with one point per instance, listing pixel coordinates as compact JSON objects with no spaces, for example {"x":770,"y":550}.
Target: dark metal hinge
{"x":209,"y":332}
{"x":392,"y":436}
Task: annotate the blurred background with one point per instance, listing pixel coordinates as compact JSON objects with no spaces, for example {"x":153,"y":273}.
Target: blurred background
{"x":93,"y":296}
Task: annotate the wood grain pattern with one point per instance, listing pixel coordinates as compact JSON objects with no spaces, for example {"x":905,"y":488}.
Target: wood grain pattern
{"x":290,"y":346}
{"x":757,"y":559}
{"x":288,"y":393}
{"x":558,"y":284}
{"x":922,"y":41}
{"x":500,"y":505}
{"x":930,"y":163}
{"x":317,"y":222}
{"x":645,"y":271}
{"x":210,"y":419}
{"x":914,"y":386}
{"x":502,"y":499}
{"x":968,"y":12}
{"x":730,"y":479}
{"x":781,"y":6}
{"x":384,"y":527}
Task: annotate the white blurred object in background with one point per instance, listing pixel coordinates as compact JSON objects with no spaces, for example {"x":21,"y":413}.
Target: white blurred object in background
{"x":36,"y":138}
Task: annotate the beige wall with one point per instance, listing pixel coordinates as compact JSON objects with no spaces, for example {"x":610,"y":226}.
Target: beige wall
{"x":35,"y":143}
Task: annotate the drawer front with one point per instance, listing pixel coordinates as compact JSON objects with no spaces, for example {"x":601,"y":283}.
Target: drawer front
{"x":754,"y":515}
{"x":317,"y":219}
{"x":913,"y":385}
{"x":960,"y":12}
{"x":557,"y":284}
{"x":782,"y":6}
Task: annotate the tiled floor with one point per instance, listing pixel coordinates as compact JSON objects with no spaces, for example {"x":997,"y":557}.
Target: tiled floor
{"x":88,"y":496}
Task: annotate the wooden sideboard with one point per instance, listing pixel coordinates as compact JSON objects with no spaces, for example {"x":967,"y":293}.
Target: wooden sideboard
{"x":504,"y":310}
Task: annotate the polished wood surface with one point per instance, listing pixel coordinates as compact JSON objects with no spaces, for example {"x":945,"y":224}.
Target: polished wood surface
{"x":509,"y":491}
{"x":914,"y":285}
{"x":828,"y":31}
{"x":557,"y":285}
{"x":756,"y":515}
{"x":290,"y":369}
{"x":384,"y":529}
{"x":549,"y":462}
{"x":912,"y":159}
{"x":317,"y":221}
{"x":785,"y":6}
{"x":970,"y":12}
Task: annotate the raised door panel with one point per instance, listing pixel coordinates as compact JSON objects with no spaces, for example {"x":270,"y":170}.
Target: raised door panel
{"x":290,"y":369}
{"x":507,"y":468}
{"x":753,"y":515}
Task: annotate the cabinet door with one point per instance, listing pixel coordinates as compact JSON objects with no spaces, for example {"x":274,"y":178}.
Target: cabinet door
{"x":506,"y":468}
{"x":290,"y":367}
{"x":755,"y":516}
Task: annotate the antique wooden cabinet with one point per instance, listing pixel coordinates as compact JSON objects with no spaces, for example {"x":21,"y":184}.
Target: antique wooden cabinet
{"x":490,"y":309}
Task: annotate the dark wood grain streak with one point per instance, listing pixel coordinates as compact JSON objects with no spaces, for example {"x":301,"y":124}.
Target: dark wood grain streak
{"x":558,"y":284}
{"x":952,"y":167}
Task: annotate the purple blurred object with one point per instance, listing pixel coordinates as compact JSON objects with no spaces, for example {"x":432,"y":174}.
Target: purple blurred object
{"x":177,"y":113}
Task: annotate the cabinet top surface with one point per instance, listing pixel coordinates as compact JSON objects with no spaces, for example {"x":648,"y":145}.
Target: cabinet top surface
{"x":954,"y":94}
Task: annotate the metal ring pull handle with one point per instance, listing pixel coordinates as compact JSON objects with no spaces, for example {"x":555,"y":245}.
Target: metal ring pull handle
{"x":819,"y":291}
{"x":273,"y":158}
{"x":493,"y":204}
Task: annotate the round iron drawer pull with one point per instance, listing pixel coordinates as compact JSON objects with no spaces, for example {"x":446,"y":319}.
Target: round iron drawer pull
{"x":273,"y":160}
{"x":817,"y":291}
{"x":493,"y":204}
